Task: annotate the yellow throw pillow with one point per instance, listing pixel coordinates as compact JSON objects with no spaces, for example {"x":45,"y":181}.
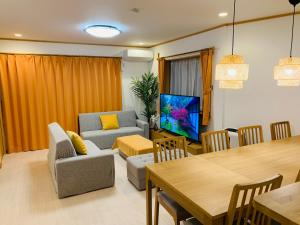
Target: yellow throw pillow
{"x":77,"y":143}
{"x":109,"y":121}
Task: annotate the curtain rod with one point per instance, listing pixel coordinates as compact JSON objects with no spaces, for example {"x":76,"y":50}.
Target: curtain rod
{"x":185,"y":54}
{"x":37,"y":54}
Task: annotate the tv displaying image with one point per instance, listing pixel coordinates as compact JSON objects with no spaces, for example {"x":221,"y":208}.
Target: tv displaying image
{"x":180,"y":115}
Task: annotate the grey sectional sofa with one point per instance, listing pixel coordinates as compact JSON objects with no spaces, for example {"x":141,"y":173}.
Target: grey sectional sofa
{"x":76,"y":174}
{"x":91,"y":129}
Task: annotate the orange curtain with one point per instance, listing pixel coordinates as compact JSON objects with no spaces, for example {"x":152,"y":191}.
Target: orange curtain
{"x":164,"y":75}
{"x":38,"y":90}
{"x":2,"y":141}
{"x":206,"y":66}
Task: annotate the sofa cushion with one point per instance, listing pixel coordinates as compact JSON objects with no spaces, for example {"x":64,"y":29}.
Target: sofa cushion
{"x":92,"y":148}
{"x":78,"y":143}
{"x":105,"y":138}
{"x":109,"y":122}
{"x":127,"y":118}
{"x":89,"y":121}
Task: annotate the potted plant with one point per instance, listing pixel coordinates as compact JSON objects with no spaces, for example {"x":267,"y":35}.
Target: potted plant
{"x":146,"y":89}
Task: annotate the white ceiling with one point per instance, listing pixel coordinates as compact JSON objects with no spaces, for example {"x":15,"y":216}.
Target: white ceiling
{"x":157,"y":21}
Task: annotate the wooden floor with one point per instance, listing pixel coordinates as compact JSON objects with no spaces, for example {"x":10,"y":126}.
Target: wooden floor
{"x":27,"y":197}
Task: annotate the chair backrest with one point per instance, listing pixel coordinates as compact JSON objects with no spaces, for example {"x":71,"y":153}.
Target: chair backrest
{"x":280,"y":130}
{"x":298,"y":177}
{"x":214,"y":141}
{"x":169,"y":149}
{"x":258,"y":217}
{"x":250,"y":135}
{"x":240,"y":206}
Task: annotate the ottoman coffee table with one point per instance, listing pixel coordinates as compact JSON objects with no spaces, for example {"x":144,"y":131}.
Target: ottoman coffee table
{"x":136,"y":169}
{"x":133,"y":145}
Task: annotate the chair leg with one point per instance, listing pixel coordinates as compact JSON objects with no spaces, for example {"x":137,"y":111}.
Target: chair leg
{"x":156,"y":208}
{"x":177,"y":222}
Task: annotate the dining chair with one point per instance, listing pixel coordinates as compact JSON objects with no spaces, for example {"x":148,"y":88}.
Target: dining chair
{"x":298,"y":177}
{"x":214,"y":141}
{"x":240,"y":210}
{"x":280,"y":130}
{"x":250,"y":135}
{"x":165,"y":150}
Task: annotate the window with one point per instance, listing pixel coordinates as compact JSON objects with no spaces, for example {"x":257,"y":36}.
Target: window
{"x":186,"y":78}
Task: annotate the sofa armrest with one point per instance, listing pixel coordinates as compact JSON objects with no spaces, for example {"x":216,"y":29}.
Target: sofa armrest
{"x":84,"y":173}
{"x":144,"y":126}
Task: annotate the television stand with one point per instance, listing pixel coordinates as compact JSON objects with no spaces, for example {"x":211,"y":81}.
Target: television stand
{"x":160,"y":130}
{"x":192,"y":147}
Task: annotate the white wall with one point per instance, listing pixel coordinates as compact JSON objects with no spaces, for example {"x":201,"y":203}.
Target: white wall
{"x":261,"y":101}
{"x":28,"y":47}
{"x":129,"y":69}
{"x":261,"y":43}
{"x":218,"y":39}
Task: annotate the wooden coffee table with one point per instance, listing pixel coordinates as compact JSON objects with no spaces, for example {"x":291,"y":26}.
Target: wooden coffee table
{"x":133,"y":145}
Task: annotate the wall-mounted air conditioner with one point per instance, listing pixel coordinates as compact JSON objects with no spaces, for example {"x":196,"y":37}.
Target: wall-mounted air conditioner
{"x":138,"y":55}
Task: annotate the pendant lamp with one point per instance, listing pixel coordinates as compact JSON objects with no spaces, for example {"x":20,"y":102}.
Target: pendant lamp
{"x":232,"y":71}
{"x":287,"y":72}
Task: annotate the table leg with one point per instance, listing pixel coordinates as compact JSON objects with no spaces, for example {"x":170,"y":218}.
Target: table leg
{"x":148,"y":199}
{"x":220,"y":221}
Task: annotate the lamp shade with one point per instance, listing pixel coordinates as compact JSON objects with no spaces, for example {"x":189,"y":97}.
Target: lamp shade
{"x":231,"y":84}
{"x":287,"y":72}
{"x":288,"y":83}
{"x":231,"y":72}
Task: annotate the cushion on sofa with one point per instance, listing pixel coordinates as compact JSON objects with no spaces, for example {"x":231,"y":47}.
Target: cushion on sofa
{"x":127,"y":118}
{"x":109,"y":122}
{"x":89,"y":121}
{"x":77,"y":142}
{"x":92,"y":148}
{"x":105,"y":138}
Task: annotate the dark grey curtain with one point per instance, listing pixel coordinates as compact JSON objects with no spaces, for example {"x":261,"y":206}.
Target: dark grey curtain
{"x":186,"y":78}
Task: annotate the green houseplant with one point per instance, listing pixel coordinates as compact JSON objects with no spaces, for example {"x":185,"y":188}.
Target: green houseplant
{"x":146,"y":89}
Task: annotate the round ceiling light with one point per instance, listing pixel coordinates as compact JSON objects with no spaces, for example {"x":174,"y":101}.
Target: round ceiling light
{"x":223,"y":14}
{"x":102,"y":31}
{"x":18,"y":35}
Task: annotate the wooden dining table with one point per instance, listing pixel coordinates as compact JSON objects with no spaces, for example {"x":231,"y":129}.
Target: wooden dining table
{"x":203,"y":184}
{"x":281,"y":205}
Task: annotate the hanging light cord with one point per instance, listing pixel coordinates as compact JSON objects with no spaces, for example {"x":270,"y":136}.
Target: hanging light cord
{"x":233,"y":27}
{"x":292,"y":39}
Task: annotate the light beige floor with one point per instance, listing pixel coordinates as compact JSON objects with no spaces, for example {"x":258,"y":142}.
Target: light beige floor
{"x":27,"y":197}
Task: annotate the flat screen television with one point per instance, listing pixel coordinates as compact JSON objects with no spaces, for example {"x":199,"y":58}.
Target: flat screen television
{"x":180,"y":115}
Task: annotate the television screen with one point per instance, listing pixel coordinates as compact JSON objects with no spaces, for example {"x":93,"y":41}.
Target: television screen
{"x":180,"y":115}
